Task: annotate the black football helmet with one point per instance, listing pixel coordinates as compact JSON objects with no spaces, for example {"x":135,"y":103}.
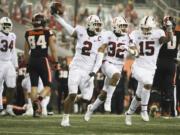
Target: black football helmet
{"x":39,"y":20}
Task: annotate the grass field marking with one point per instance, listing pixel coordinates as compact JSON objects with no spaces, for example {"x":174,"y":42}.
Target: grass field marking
{"x":74,"y":125}
{"x":46,"y":133}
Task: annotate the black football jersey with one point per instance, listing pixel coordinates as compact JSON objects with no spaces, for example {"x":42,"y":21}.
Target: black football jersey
{"x":37,"y":40}
{"x":169,"y":50}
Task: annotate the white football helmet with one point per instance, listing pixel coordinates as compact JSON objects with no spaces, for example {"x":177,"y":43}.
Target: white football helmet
{"x":94,"y":24}
{"x":6,"y":24}
{"x":147,"y":23}
{"x":119,"y":25}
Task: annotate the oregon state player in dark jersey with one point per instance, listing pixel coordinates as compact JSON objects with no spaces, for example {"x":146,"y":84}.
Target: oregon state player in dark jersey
{"x":164,"y":79}
{"x":36,"y":52}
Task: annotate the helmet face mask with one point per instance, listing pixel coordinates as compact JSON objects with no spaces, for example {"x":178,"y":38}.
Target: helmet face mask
{"x":94,"y":24}
{"x":146,"y":31}
{"x":6,"y":24}
{"x":119,"y":25}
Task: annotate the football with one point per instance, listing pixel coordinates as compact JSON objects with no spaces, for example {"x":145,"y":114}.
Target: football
{"x":57,"y":7}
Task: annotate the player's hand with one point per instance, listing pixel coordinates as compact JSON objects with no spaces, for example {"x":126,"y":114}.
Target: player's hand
{"x":57,"y":8}
{"x":89,"y":78}
{"x":169,"y":26}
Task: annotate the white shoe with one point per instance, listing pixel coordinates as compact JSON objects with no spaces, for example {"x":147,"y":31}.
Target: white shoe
{"x":65,"y":120}
{"x":89,"y":113}
{"x":145,"y":116}
{"x":29,"y":110}
{"x":9,"y":110}
{"x":107,"y":107}
{"x":128,"y":119}
{"x":3,"y":113}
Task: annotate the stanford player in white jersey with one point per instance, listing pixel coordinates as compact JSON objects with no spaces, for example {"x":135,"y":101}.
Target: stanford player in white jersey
{"x":115,"y":42}
{"x":8,"y":59}
{"x":149,"y":40}
{"x":86,"y":62}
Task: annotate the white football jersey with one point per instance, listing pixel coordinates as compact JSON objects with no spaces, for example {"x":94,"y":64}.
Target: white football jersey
{"x":86,"y":49}
{"x":148,"y":46}
{"x":115,"y":54}
{"x":7,"y":46}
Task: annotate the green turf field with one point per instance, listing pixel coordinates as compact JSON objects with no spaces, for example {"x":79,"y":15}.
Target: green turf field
{"x":99,"y":125}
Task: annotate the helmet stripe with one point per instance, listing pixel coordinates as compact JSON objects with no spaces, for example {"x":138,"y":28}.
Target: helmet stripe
{"x":124,"y":19}
{"x":146,"y":20}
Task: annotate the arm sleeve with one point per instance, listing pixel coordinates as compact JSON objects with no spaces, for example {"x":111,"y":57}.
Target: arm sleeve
{"x":67,"y":26}
{"x":14,"y":58}
{"x":14,"y":55}
{"x":98,"y":63}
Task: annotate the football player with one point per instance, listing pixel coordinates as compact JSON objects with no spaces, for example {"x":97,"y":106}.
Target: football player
{"x":149,"y":40}
{"x":166,"y":71}
{"x":26,"y":85}
{"x":38,"y":40}
{"x":8,"y":59}
{"x":116,"y":42}
{"x":86,"y":62}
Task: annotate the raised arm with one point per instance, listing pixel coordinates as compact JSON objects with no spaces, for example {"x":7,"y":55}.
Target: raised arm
{"x":169,"y":34}
{"x":67,"y":26}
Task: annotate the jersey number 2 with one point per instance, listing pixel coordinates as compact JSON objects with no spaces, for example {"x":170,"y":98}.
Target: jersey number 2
{"x":86,"y":48}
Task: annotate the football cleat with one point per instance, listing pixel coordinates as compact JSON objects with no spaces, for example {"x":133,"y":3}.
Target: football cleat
{"x":107,"y":107}
{"x":29,"y":110}
{"x":3,"y":113}
{"x":145,"y":116}
{"x":89,"y":113}
{"x":65,"y":120}
{"x":128,"y":119}
{"x":9,"y":110}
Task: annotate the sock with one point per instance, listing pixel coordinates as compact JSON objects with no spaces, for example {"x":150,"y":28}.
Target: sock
{"x":29,"y":101}
{"x":96,"y":104}
{"x":45,"y":101}
{"x":145,"y":95}
{"x":66,"y":116}
{"x":133,"y":106}
{"x":109,"y":94}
